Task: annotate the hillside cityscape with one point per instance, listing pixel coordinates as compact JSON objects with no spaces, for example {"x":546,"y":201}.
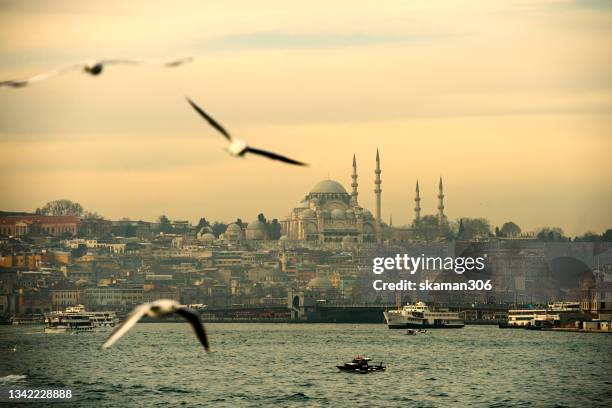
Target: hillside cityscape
{"x":61,"y":254}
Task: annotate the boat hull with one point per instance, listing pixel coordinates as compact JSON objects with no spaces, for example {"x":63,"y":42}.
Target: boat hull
{"x":505,"y":325}
{"x":426,"y":326}
{"x":361,"y":370}
{"x":67,"y":329}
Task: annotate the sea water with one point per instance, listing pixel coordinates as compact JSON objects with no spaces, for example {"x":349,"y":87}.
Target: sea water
{"x":160,"y":364}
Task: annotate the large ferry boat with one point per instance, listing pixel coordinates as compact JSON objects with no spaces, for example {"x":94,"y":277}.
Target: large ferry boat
{"x":75,"y":318}
{"x":538,"y":318}
{"x":418,"y":316}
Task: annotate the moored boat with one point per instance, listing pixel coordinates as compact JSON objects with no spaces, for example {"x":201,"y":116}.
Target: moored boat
{"x":76,"y":319}
{"x":538,"y":318}
{"x":418,"y":316}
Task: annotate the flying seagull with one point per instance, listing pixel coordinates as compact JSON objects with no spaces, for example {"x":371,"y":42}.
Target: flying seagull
{"x":158,"y":308}
{"x":237,"y":147}
{"x":93,"y":67}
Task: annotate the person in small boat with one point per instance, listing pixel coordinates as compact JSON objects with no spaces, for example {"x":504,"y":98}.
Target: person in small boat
{"x":361,"y":361}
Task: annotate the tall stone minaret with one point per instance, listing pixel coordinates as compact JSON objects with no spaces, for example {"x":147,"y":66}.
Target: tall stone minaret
{"x":417,"y":201}
{"x":377,"y":191}
{"x":354,"y":194}
{"x":441,"y":215}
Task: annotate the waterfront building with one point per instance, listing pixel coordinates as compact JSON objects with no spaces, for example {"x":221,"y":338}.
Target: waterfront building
{"x":24,"y":225}
{"x":113,"y":297}
{"x":65,"y":294}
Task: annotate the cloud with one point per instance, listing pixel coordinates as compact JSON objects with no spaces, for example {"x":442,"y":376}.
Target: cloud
{"x":289,"y":40}
{"x":599,"y":5}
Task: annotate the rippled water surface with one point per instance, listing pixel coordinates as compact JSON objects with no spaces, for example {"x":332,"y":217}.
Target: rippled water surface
{"x":159,"y":364}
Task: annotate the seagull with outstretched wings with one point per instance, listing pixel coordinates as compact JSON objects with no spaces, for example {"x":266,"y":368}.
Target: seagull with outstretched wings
{"x":94,"y":67}
{"x":237,"y":147}
{"x":158,"y":308}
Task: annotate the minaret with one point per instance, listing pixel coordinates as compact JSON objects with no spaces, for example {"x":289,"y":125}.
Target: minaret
{"x":417,"y":207}
{"x":354,"y":194}
{"x":441,"y":215}
{"x":391,"y":220}
{"x":377,"y":191}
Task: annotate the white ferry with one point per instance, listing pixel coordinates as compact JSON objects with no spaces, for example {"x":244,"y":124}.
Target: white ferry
{"x":418,"y":316}
{"x":75,"y":318}
{"x":538,"y":318}
{"x":521,"y":318}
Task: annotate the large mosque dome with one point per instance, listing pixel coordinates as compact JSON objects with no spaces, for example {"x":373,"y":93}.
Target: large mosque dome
{"x":328,"y":187}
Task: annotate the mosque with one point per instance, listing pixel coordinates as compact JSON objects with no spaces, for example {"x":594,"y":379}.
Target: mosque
{"x":328,"y":213}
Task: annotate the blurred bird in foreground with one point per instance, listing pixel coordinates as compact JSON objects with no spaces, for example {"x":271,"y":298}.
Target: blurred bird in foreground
{"x":158,"y":308}
{"x":93,"y":67}
{"x":237,"y":147}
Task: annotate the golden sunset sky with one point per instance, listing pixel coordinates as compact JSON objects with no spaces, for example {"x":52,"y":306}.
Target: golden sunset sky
{"x":511,"y":102}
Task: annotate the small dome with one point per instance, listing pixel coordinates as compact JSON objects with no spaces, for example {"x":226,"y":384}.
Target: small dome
{"x":233,"y":228}
{"x":367,"y":214}
{"x":337,"y":214}
{"x":208,"y":237}
{"x":283,"y":238}
{"x":256,"y":225}
{"x":256,"y":230}
{"x":303,"y":204}
{"x":347,"y":239}
{"x":350,"y":213}
{"x":308,"y":214}
{"x":325,"y":213}
{"x":204,"y":230}
{"x":320,"y":283}
{"x":328,"y":187}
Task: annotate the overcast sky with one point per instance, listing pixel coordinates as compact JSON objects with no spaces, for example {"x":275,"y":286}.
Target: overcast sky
{"x":511,"y":102}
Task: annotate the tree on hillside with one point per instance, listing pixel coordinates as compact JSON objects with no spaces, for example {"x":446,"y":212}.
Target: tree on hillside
{"x":202,"y":223}
{"x":274,"y":229}
{"x":461,"y":230}
{"x":218,"y":228}
{"x":61,"y":207}
{"x":510,"y":229}
{"x":92,"y":215}
{"x":476,"y":228}
{"x":427,"y":228}
{"x":164,"y":224}
{"x":551,"y":234}
{"x":594,"y":237}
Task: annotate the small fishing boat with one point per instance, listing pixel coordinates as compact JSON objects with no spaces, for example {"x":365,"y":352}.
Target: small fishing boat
{"x":361,"y":365}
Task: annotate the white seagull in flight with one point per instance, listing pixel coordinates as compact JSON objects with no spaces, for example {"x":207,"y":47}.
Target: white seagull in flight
{"x":93,"y":67}
{"x":237,"y":147}
{"x":158,"y":308}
